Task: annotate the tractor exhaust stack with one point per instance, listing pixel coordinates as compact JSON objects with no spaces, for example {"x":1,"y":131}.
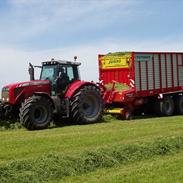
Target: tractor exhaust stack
{"x":31,"y":71}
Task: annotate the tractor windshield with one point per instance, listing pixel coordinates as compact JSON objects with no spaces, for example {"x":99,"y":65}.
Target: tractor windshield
{"x":49,"y":73}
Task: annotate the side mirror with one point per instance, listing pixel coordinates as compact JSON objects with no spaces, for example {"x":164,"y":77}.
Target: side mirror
{"x":31,"y":71}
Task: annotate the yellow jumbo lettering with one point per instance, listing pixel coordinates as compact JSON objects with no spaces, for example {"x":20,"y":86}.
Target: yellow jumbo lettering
{"x":111,"y":62}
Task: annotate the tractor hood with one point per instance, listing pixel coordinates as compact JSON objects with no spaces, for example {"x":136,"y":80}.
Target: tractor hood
{"x":27,"y":83}
{"x":13,"y":93}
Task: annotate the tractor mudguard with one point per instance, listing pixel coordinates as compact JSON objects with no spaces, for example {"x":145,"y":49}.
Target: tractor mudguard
{"x":46,"y":95}
{"x":73,"y":87}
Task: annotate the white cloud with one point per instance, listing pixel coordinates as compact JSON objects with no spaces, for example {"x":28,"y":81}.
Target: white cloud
{"x":25,"y":19}
{"x":14,"y":63}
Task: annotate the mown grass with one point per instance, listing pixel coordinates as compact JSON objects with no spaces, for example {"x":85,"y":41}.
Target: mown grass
{"x":22,"y":144}
{"x":162,"y":169}
{"x":21,"y":151}
{"x":53,"y":166}
{"x":9,"y":124}
{"x":118,"y":86}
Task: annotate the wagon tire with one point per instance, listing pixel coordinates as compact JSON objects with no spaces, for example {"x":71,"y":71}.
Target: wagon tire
{"x":167,"y":106}
{"x":156,"y":107}
{"x":128,"y":115}
{"x":179,"y":104}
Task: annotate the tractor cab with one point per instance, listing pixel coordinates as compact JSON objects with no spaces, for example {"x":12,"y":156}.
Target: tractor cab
{"x":60,"y":74}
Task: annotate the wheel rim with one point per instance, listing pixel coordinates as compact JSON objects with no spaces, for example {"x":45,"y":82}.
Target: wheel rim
{"x":40,"y":114}
{"x":167,"y":106}
{"x":90,"y":106}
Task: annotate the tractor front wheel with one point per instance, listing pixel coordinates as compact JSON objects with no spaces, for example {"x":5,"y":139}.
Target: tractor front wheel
{"x":36,"y":113}
{"x":87,"y":105}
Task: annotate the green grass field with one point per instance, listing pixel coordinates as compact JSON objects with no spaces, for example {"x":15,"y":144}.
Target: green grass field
{"x":167,"y":169}
{"x":19,"y":147}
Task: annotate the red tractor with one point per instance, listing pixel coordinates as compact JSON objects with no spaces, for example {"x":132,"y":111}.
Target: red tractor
{"x":58,"y":93}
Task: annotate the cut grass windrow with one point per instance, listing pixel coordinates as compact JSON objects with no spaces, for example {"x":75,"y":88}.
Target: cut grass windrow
{"x":55,"y":166}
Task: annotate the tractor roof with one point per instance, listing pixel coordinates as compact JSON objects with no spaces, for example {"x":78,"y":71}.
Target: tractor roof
{"x":60,"y":62}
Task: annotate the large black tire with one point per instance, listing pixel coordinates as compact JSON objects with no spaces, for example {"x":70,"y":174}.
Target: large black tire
{"x":167,"y":106}
{"x":164,"y":107}
{"x":36,"y":113}
{"x":179,"y":104}
{"x":87,"y":105}
{"x":156,"y":107}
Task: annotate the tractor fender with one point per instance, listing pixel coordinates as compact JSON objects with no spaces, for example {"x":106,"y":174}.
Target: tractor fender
{"x":46,"y":96}
{"x":75,"y":86}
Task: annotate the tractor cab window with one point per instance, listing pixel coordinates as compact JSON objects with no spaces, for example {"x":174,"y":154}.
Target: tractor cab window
{"x":68,"y":72}
{"x":63,"y":77}
{"x":66,"y":75}
{"x":48,"y":73}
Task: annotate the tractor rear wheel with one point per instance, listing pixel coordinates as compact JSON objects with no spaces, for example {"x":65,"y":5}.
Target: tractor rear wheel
{"x":87,"y":105}
{"x":36,"y":113}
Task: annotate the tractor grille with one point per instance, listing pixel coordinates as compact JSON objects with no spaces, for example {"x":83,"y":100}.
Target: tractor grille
{"x":5,"y":95}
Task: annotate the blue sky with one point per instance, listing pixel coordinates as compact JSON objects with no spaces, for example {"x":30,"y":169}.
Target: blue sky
{"x":37,"y":30}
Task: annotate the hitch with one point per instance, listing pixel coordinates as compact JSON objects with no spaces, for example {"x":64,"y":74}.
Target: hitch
{"x":122,"y":112}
